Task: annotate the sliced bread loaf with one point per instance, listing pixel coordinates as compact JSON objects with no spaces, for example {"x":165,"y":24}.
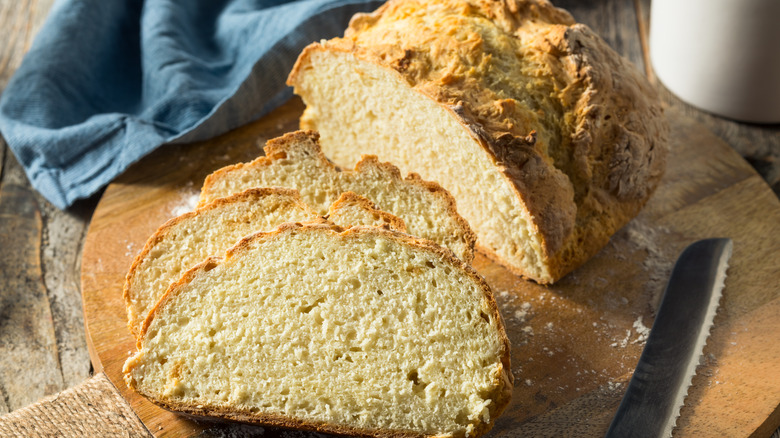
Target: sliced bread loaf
{"x":548,"y":139}
{"x":296,"y":161}
{"x":210,"y":230}
{"x":364,"y":332}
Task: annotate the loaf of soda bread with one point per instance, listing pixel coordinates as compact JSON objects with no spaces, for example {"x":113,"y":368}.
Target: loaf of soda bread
{"x":548,"y":139}
{"x":364,"y":332}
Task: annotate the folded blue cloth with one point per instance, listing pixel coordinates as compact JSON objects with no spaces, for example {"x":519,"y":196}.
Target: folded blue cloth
{"x":107,"y":82}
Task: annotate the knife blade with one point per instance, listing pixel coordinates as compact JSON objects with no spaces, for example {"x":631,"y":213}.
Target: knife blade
{"x":682,"y":325}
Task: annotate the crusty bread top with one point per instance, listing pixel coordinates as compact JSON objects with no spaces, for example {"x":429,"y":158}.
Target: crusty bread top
{"x":577,"y":130}
{"x":320,"y":184}
{"x":170,"y":376}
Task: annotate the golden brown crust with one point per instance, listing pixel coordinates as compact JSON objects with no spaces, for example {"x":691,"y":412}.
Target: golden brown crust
{"x":504,"y":379}
{"x":308,"y":142}
{"x":268,"y":419}
{"x":388,"y":221}
{"x":575,"y":129}
{"x":275,"y":149}
{"x":161,"y":233}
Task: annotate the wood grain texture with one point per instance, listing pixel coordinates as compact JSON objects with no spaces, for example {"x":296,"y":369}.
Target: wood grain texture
{"x":574,"y":344}
{"x":53,"y":356}
{"x":20,"y":21}
{"x":28,"y":348}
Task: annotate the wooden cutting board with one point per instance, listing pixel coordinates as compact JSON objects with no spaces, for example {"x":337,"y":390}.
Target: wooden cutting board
{"x":574,"y":344}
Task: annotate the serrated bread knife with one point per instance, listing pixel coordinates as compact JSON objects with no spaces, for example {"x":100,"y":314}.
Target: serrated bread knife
{"x":682,"y":324}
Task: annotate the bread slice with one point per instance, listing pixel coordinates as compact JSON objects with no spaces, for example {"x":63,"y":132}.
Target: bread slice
{"x":548,"y":139}
{"x":352,"y":209}
{"x":187,"y":240}
{"x":184,"y":241}
{"x":363,"y":332}
{"x":296,"y":161}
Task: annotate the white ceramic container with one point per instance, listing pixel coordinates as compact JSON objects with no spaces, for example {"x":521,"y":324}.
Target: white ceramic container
{"x":722,"y":56}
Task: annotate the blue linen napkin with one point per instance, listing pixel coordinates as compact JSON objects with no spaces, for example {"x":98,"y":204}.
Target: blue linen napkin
{"x":107,"y":82}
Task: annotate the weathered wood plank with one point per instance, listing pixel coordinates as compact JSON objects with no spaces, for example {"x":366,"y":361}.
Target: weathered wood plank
{"x":20,"y":21}
{"x":63,"y":240}
{"x":58,"y":247}
{"x":29,"y":364}
{"x":55,"y":273}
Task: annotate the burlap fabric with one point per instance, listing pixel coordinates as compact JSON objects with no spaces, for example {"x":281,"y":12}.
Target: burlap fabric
{"x":91,"y":409}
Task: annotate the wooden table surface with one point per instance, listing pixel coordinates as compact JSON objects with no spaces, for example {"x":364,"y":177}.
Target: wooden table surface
{"x":43,"y":349}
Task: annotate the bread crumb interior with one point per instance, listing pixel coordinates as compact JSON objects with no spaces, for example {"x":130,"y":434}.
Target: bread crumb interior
{"x":354,"y":330}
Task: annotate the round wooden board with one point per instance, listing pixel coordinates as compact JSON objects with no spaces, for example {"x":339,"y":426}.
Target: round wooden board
{"x":574,"y":344}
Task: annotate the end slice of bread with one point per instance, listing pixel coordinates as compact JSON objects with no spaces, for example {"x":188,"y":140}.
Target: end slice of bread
{"x":364,"y":332}
{"x":296,"y":161}
{"x":187,"y":240}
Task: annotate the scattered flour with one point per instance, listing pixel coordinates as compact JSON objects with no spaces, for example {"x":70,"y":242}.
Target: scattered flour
{"x":130,"y":249}
{"x":642,"y":331}
{"x":522,"y":314}
{"x":188,"y":203}
{"x":659,"y":261}
{"x":622,"y":343}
